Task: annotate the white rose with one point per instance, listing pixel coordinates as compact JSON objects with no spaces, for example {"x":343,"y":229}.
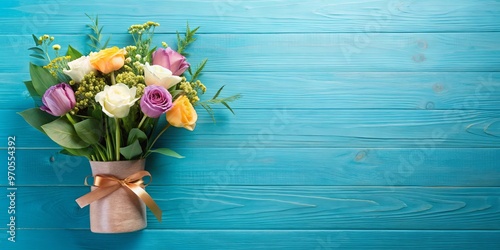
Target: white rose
{"x":78,"y":68}
{"x":160,"y":76}
{"x":116,"y":100}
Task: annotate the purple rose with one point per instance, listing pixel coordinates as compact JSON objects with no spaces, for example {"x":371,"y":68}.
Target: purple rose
{"x":58,"y":99}
{"x":171,"y":60}
{"x":155,"y":101}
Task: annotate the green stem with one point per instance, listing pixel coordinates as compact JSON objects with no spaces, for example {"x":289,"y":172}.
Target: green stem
{"x":157,"y":137}
{"x":113,"y":80}
{"x":47,"y":53}
{"x":142,"y":121}
{"x":98,"y":148}
{"x":108,"y":141}
{"x":117,"y":146}
{"x":70,"y":118}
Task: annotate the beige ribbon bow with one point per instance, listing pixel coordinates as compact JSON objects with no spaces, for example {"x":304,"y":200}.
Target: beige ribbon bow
{"x":107,"y":184}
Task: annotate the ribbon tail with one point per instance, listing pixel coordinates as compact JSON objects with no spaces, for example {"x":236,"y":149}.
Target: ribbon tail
{"x":144,"y":196}
{"x":96,"y":194}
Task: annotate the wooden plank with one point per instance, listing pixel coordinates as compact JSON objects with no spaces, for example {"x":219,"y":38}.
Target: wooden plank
{"x":343,"y":90}
{"x":424,"y":166}
{"x":259,"y":239}
{"x":281,"y":207}
{"x":238,"y":16}
{"x":312,"y":128}
{"x":387,"y":52}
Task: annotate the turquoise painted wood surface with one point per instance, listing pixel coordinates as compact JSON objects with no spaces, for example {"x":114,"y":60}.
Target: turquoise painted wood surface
{"x":364,"y":125}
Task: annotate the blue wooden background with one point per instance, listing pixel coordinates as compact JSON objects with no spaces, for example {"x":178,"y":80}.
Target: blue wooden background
{"x":364,"y":125}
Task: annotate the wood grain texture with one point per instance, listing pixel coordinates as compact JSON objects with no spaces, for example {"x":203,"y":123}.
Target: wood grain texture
{"x":423,"y":166}
{"x":282,"y":207}
{"x":306,"y":128}
{"x":304,"y":53}
{"x":237,"y":16}
{"x":333,"y":90}
{"x":364,"y":124}
{"x":262,"y":239}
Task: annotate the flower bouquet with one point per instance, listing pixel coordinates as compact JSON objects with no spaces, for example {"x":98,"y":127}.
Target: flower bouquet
{"x":106,"y":106}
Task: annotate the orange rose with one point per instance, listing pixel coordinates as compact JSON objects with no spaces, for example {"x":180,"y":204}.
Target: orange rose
{"x":108,"y":60}
{"x":182,"y":114}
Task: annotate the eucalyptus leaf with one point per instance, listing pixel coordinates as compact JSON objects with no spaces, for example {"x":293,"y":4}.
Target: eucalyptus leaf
{"x":62,"y":132}
{"x":37,"y":50}
{"x":37,"y":56}
{"x":37,"y":117}
{"x":89,"y":130}
{"x":37,"y":42}
{"x":41,"y":79}
{"x":167,"y":152}
{"x":132,"y":150}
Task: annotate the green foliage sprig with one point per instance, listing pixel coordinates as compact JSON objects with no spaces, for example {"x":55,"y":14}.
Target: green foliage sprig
{"x":41,"y":49}
{"x":216,"y":100}
{"x":184,"y":42}
{"x":96,"y":36}
{"x":83,"y":129}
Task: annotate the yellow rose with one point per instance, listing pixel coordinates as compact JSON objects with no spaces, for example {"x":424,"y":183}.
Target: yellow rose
{"x":182,"y":114}
{"x":108,"y":60}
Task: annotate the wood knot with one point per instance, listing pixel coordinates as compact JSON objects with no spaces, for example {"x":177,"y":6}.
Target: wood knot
{"x":419,"y":58}
{"x":360,"y":155}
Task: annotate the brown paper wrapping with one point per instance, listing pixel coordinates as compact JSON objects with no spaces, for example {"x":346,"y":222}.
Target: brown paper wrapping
{"x":121,"y":211}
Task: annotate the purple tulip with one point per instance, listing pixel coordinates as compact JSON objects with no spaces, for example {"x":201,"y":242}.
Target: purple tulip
{"x":155,"y":101}
{"x":58,"y":99}
{"x":171,"y":60}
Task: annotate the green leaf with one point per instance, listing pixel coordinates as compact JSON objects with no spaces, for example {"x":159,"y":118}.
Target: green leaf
{"x":89,"y":130}
{"x":132,"y":150}
{"x":37,"y":56}
{"x":106,"y":43}
{"x":194,"y":31}
{"x":77,"y":152}
{"x":31,"y":89}
{"x":183,"y":43}
{"x":34,"y":95}
{"x":227,"y":106}
{"x":37,"y":42}
{"x":96,"y":113}
{"x":176,"y":92}
{"x":37,"y":117}
{"x":136,"y":134}
{"x":198,"y":70}
{"x":73,"y":53}
{"x":37,"y":50}
{"x":93,"y":38}
{"x":167,"y":152}
{"x":62,"y":132}
{"x":150,"y":53}
{"x":41,"y":79}
{"x":218,"y":92}
{"x":209,"y":110}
